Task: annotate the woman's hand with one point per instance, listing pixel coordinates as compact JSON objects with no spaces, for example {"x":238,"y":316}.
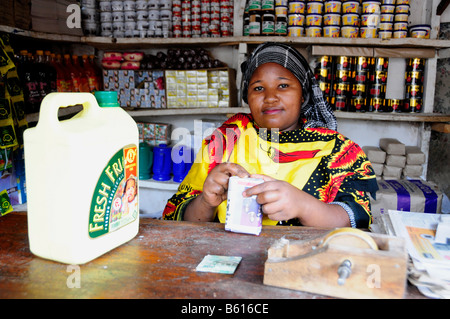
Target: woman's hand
{"x":282,"y":201}
{"x":215,"y":189}
{"x":279,"y":199}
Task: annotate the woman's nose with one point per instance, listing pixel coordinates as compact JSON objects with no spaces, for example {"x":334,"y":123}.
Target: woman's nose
{"x":270,"y":96}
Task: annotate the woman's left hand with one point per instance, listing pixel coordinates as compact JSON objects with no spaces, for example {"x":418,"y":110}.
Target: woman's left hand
{"x":279,"y":199}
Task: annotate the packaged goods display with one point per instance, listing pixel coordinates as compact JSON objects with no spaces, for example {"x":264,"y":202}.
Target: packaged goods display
{"x":136,"y":88}
{"x":358,"y":84}
{"x":157,"y":18}
{"x":179,"y":78}
{"x":349,"y":19}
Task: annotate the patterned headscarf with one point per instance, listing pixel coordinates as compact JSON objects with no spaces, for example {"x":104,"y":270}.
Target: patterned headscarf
{"x":315,"y":108}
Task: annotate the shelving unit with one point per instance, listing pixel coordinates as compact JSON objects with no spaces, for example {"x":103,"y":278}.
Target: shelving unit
{"x":415,"y":127}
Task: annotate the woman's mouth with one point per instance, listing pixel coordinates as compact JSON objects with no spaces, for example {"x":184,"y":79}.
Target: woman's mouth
{"x":272,"y":111}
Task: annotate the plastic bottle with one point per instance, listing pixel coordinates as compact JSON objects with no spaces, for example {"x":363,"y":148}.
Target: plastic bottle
{"x":82,"y":75}
{"x":43,"y":74}
{"x":91,"y":74}
{"x":82,"y":178}
{"x":73,"y":72}
{"x":29,"y":80}
{"x":68,"y":85}
{"x":59,"y":72}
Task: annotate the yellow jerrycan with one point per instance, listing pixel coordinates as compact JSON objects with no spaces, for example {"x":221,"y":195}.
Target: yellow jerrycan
{"x":82,"y":178}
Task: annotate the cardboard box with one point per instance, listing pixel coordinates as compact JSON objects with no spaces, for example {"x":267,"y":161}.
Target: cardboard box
{"x":413,"y":195}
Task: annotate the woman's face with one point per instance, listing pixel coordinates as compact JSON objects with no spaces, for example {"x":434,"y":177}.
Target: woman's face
{"x":275,"y":97}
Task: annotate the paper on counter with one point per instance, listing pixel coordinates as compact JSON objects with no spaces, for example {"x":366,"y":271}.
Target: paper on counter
{"x":219,"y":264}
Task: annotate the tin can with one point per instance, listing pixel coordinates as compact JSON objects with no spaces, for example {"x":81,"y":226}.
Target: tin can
{"x":414,"y":91}
{"x":281,"y":25}
{"x":323,"y":74}
{"x":414,"y":77}
{"x":358,"y":104}
{"x":296,"y":31}
{"x":413,"y":105}
{"x":296,"y":7}
{"x":340,"y":103}
{"x":296,"y":19}
{"x":349,"y":32}
{"x":358,"y":90}
{"x":380,"y":77}
{"x":375,"y":104}
{"x":313,"y":31}
{"x":331,"y":31}
{"x":362,"y":63}
{"x":344,"y":63}
{"x":361,"y":77}
{"x":341,"y":89}
{"x":392,"y":105}
{"x":343,"y":76}
{"x":324,"y":61}
{"x":325,"y":87}
{"x":416,"y":64}
{"x":377,"y":91}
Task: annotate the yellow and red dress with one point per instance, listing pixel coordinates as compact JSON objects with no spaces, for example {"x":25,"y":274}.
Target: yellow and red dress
{"x":319,"y":161}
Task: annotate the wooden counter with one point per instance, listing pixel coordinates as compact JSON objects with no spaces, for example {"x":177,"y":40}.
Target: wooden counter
{"x":159,"y":262}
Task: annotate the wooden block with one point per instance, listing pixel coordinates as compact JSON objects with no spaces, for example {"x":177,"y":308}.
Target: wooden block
{"x":308,"y":266}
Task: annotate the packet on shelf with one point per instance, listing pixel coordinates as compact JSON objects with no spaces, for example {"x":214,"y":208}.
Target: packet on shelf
{"x":198,"y":88}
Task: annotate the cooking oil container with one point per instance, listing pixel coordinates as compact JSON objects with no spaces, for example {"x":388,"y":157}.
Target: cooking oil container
{"x":82,"y":178}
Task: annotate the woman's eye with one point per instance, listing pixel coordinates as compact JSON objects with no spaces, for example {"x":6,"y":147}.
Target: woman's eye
{"x":258,"y":88}
{"x":283,"y":85}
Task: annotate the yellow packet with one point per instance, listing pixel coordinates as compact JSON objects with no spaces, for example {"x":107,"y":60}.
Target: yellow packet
{"x":5,"y":203}
{"x":6,"y":63}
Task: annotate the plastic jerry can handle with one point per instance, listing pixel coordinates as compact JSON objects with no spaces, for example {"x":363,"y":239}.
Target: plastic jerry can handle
{"x":48,"y":114}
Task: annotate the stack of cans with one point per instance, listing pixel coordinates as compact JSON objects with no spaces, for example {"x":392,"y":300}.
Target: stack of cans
{"x":353,"y":84}
{"x":414,"y":85}
{"x":90,"y":16}
{"x":377,"y":91}
{"x":341,"y":83}
{"x":360,"y":83}
{"x":202,"y":18}
{"x":323,"y":73}
{"x":281,"y":17}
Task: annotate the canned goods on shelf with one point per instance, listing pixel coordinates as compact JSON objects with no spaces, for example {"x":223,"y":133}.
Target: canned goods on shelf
{"x":313,"y":31}
{"x":344,"y":63}
{"x":331,"y":31}
{"x":296,"y":31}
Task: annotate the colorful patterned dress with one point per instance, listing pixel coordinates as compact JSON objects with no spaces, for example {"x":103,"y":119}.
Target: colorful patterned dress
{"x":319,"y":161}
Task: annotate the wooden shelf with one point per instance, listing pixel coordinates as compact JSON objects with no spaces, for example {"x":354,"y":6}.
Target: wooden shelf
{"x":369,"y":116}
{"x":141,"y":43}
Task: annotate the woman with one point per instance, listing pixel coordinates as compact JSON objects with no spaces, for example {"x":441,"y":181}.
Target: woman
{"x":288,"y":140}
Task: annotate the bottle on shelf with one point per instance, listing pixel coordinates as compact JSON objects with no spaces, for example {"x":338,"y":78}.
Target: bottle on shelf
{"x":61,"y":85}
{"x":28,"y":77}
{"x":91,"y":74}
{"x":68,"y":85}
{"x":268,"y":17}
{"x":73,"y":72}
{"x":83,"y":78}
{"x":51,"y":73}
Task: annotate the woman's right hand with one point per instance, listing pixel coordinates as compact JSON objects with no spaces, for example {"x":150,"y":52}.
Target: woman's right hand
{"x":215,"y":189}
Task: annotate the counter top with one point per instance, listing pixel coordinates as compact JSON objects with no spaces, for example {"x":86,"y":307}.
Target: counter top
{"x":159,"y":262}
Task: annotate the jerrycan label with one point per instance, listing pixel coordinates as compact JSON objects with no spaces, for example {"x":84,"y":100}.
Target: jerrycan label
{"x":115,"y":200}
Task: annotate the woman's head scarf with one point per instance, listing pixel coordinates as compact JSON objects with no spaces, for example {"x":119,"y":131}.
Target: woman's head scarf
{"x":315,"y":109}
